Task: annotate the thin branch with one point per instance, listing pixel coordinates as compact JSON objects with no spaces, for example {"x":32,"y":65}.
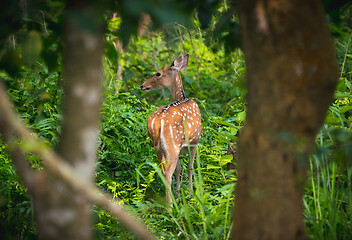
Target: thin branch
{"x":181,"y":37}
{"x":56,"y":165}
{"x":182,"y":41}
{"x":167,"y":43}
{"x":154,"y":61}
{"x":18,"y":157}
{"x":154,"y":54}
{"x":19,"y":160}
{"x":196,"y":56}
{"x":345,"y":57}
{"x":118,"y":47}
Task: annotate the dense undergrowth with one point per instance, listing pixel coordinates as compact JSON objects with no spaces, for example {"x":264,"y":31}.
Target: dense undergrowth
{"x":127,"y":165}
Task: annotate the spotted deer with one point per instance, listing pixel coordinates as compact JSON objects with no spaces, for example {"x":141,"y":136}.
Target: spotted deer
{"x":176,"y":126}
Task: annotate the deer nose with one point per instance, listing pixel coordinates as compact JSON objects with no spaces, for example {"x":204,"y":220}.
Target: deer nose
{"x":144,"y":88}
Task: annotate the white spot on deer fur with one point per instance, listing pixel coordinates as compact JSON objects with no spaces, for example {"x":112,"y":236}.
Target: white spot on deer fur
{"x":162,"y":139}
{"x":153,"y":124}
{"x":189,"y":125}
{"x":173,"y":142}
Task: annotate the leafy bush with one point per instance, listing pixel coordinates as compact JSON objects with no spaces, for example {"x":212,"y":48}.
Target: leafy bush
{"x":127,"y":166}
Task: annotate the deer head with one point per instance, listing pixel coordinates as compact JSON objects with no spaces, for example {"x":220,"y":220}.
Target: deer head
{"x":169,"y":77}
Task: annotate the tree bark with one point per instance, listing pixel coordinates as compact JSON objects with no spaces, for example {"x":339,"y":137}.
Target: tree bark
{"x":12,"y":129}
{"x":291,"y":76}
{"x":64,"y":190}
{"x":61,"y":212}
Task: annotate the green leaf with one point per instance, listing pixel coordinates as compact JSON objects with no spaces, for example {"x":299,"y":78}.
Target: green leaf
{"x":212,"y":167}
{"x":342,"y":95}
{"x":346,"y":108}
{"x":225,"y":159}
{"x":36,"y":94}
{"x":222,"y":122}
{"x":241,"y":116}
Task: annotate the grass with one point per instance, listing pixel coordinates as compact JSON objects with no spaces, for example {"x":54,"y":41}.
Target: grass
{"x":202,"y":214}
{"x":328,"y":199}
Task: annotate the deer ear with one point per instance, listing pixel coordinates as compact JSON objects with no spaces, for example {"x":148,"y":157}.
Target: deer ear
{"x":180,"y":63}
{"x":185,"y":62}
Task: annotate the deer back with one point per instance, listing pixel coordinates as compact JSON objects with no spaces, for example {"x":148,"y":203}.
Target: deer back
{"x":166,"y":126}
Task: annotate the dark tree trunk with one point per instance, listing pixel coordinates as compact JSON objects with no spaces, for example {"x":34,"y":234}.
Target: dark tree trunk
{"x":291,"y":76}
{"x":61,"y":212}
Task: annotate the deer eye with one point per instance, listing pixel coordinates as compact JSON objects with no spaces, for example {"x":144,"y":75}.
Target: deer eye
{"x":157,"y":74}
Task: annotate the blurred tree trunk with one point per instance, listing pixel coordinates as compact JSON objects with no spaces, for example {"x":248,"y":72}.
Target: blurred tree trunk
{"x":291,"y":76}
{"x":62,"y":213}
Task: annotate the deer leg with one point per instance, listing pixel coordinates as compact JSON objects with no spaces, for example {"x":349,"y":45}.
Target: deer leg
{"x":170,"y":166}
{"x":190,"y":168}
{"x":177,"y":174}
{"x":165,"y":166}
{"x":169,"y":170}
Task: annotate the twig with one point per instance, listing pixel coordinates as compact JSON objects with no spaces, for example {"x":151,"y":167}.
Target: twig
{"x":196,"y":56}
{"x":19,"y":159}
{"x":182,"y":41}
{"x":154,"y":61}
{"x":167,"y":43}
{"x":181,"y":38}
{"x":59,"y":167}
{"x":118,"y":47}
{"x":345,"y":57}
{"x":154,"y":54}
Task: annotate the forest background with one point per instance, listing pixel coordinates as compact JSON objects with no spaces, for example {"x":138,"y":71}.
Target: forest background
{"x":127,"y":167}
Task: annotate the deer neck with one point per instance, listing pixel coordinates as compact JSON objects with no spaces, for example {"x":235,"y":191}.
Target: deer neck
{"x":176,"y":89}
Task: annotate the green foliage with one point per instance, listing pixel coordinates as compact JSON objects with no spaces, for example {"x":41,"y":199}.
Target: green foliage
{"x":328,"y":198}
{"x":16,"y":220}
{"x":128,"y":169}
{"x":127,"y":166}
